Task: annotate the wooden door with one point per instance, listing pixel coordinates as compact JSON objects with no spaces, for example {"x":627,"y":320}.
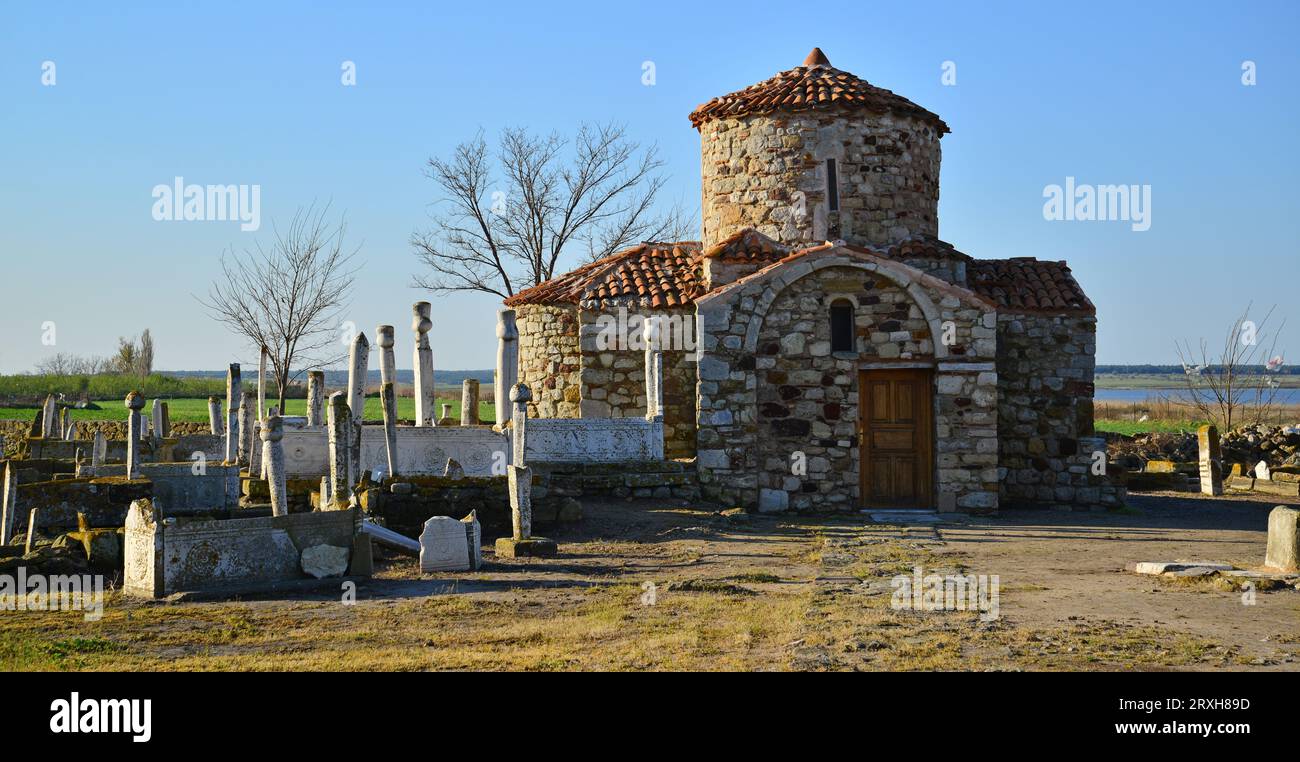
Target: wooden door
{"x":897,"y":436}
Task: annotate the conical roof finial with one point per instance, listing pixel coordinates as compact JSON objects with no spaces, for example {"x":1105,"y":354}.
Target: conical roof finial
{"x":817,"y":58}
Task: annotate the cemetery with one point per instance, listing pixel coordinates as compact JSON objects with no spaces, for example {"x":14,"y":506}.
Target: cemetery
{"x":792,"y":414}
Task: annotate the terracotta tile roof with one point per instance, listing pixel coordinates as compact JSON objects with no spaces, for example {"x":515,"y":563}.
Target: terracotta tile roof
{"x":657,"y":275}
{"x":815,"y":85}
{"x":1025,"y":284}
{"x":924,"y":246}
{"x":664,"y":275}
{"x":748,"y":245}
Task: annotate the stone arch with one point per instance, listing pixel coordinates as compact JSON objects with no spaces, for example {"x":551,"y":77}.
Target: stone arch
{"x":782,"y":279}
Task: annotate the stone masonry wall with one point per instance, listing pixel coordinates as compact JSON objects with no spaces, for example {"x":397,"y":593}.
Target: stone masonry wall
{"x":1045,"y":383}
{"x":769,"y":385}
{"x":549,"y":361}
{"x":768,"y":172}
{"x":613,"y":378}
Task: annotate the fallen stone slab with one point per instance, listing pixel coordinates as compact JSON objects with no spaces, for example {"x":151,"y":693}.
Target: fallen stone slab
{"x":390,"y":538}
{"x":1156,"y":568}
{"x":1195,"y":572}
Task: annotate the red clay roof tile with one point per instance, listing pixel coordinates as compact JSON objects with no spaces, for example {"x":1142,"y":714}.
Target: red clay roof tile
{"x":814,"y":85}
{"x":1025,"y":284}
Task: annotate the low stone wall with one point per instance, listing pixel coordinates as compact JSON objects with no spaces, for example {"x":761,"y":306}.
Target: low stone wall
{"x":422,"y":451}
{"x":557,"y":493}
{"x":176,"y":488}
{"x":103,"y":501}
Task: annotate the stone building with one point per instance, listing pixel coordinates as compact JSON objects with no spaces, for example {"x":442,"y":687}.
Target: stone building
{"x":842,"y":356}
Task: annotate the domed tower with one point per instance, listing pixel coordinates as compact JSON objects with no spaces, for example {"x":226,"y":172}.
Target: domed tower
{"x":816,"y":154}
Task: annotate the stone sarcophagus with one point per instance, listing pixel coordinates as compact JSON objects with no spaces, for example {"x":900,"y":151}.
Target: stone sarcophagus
{"x":166,"y":555}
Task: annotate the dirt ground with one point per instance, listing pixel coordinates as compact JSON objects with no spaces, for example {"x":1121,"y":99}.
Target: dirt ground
{"x":646,"y":585}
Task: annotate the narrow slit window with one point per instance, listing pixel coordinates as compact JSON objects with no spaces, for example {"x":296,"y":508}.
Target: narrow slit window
{"x":832,"y":186}
{"x":842,"y":326}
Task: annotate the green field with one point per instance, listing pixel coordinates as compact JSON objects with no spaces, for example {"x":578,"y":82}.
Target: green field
{"x":190,"y":409}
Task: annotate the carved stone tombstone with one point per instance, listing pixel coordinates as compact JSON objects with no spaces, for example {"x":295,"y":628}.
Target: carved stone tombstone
{"x":234,"y":396}
{"x":261,"y":383}
{"x":339,"y":417}
{"x":1283,"y":539}
{"x":507,"y":370}
{"x":245,"y":451}
{"x":422,"y":324}
{"x":214,"y":416}
{"x":654,"y":367}
{"x":358,"y":365}
{"x":469,"y":402}
{"x":450,"y":545}
{"x":99,"y":449}
{"x":8,"y":504}
{"x":272,"y":436}
{"x":316,"y":398}
{"x":134,"y":404}
{"x":384,"y":334}
{"x":388,"y":398}
{"x":1211,"y":460}
{"x":520,"y":487}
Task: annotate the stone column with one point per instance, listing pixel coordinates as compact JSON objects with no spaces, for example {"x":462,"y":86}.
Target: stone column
{"x":316,"y":398}
{"x":99,"y":449}
{"x":339,"y":423}
{"x":388,"y":396}
{"x":521,"y":502}
{"x":166,"y":421}
{"x":261,"y":383}
{"x":65,"y":422}
{"x":446,"y":412}
{"x":1211,"y":460}
{"x":234,"y":396}
{"x":384,"y":334}
{"x":519,"y":398}
{"x":134,"y":404}
{"x":507,"y":370}
{"x":654,"y":367}
{"x":31,"y":530}
{"x":214,"y":416}
{"x":520,"y":486}
{"x":358,"y":366}
{"x":272,"y":434}
{"x":469,"y":402}
{"x":422,"y":324}
{"x":8,"y":504}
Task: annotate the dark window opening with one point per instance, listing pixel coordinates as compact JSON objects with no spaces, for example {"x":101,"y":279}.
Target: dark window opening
{"x":842,"y":326}
{"x":832,"y":186}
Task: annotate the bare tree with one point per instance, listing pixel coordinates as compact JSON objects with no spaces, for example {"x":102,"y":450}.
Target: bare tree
{"x":499,"y":233}
{"x":134,"y":356}
{"x":1236,"y":388}
{"x":288,"y":297}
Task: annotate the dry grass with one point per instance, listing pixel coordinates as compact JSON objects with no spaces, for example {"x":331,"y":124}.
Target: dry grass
{"x":772,"y":595}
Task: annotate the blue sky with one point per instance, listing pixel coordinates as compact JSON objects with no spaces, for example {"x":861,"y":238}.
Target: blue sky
{"x":250,"y":93}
